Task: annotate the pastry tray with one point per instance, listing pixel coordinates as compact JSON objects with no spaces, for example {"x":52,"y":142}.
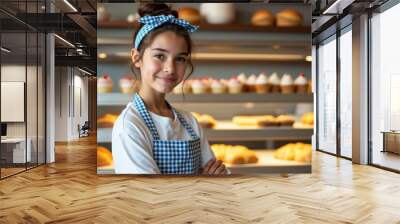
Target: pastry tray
{"x":266,"y":164}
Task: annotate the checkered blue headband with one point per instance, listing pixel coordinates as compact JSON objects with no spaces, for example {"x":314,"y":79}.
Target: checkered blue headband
{"x":151,"y":22}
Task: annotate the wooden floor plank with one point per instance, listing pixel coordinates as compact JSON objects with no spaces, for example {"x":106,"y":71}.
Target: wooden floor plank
{"x":70,"y":191}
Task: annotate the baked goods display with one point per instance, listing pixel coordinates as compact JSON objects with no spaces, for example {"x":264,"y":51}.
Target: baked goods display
{"x":246,"y":120}
{"x":223,"y":13}
{"x":306,"y":121}
{"x":262,"y":84}
{"x":300,"y":152}
{"x":234,"y":154}
{"x":104,"y":156}
{"x":288,"y":18}
{"x":234,"y":86}
{"x":183,"y":87}
{"x":189,"y":14}
{"x":301,"y":84}
{"x":200,"y":86}
{"x":205,"y":120}
{"x":218,"y":87}
{"x":287,"y":84}
{"x":264,"y":120}
{"x":104,"y":84}
{"x":106,"y":121}
{"x":307,"y":118}
{"x":262,"y":17}
{"x":275,"y":83}
{"x":128,"y":84}
{"x":251,"y":83}
{"x":285,"y":120}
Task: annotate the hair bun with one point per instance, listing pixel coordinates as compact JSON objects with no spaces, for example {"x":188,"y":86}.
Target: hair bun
{"x":156,"y":9}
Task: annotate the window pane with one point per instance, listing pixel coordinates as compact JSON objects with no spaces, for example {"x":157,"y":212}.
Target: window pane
{"x":346,"y":94}
{"x":385,"y":88}
{"x":327,"y":96}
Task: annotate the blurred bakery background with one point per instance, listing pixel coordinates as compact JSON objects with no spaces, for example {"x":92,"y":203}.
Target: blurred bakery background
{"x":251,"y":88}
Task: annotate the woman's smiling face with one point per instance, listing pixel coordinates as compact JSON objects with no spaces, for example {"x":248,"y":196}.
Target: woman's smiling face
{"x":164,"y":62}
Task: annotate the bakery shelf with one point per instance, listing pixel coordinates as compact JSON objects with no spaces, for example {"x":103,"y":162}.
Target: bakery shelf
{"x":226,"y":131}
{"x":122,"y":24}
{"x":120,"y":99}
{"x":258,"y":134}
{"x":266,"y":164}
{"x":223,"y":57}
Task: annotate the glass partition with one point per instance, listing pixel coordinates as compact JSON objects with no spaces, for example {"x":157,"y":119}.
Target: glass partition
{"x":22,"y":77}
{"x":13,"y":92}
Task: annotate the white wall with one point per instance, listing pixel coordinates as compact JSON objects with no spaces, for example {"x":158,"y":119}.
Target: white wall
{"x":71,"y":93}
{"x":61,"y":103}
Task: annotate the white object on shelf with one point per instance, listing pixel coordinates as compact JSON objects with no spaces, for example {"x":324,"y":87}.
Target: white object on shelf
{"x":132,"y":17}
{"x":218,"y":13}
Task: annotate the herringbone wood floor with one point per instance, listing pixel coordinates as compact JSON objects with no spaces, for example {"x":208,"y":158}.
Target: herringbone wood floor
{"x":69,"y":191}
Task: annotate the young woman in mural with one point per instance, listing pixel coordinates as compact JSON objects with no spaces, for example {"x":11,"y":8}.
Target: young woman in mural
{"x":151,"y":136}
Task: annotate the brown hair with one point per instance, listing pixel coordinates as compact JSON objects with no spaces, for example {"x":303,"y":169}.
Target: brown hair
{"x":155,"y":9}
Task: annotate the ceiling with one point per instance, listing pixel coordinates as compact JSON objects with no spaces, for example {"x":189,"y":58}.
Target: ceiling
{"x":72,"y":20}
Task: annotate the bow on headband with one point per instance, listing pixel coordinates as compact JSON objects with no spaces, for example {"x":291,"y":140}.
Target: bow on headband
{"x":152,"y":22}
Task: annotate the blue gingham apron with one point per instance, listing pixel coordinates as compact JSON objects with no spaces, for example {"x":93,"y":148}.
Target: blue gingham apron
{"x":172,"y":156}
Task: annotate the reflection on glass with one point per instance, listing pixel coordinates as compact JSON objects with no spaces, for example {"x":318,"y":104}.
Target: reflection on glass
{"x":14,"y":153}
{"x":327,"y":96}
{"x":385,"y":88}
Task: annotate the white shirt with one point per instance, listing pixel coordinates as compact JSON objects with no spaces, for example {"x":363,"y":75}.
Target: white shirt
{"x":132,"y":146}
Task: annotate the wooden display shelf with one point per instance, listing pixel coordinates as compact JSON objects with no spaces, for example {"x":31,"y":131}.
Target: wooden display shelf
{"x":122,"y":24}
{"x":227,"y":131}
{"x":120,"y":99}
{"x":266,"y":164}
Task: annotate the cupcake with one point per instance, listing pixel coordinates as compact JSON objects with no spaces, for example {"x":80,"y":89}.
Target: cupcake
{"x":275,"y":83}
{"x":309,"y":88}
{"x":301,"y":84}
{"x":243,"y":79}
{"x":234,"y":86}
{"x":127,"y":84}
{"x":262,"y":85}
{"x":104,"y":84}
{"x":183,"y":87}
{"x":187,"y":86}
{"x":218,"y":87}
{"x":251,"y":83}
{"x":287,"y":85}
{"x":224,"y":81}
{"x":199,"y":87}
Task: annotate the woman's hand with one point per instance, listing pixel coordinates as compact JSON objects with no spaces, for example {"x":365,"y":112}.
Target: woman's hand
{"x":214,"y":167}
